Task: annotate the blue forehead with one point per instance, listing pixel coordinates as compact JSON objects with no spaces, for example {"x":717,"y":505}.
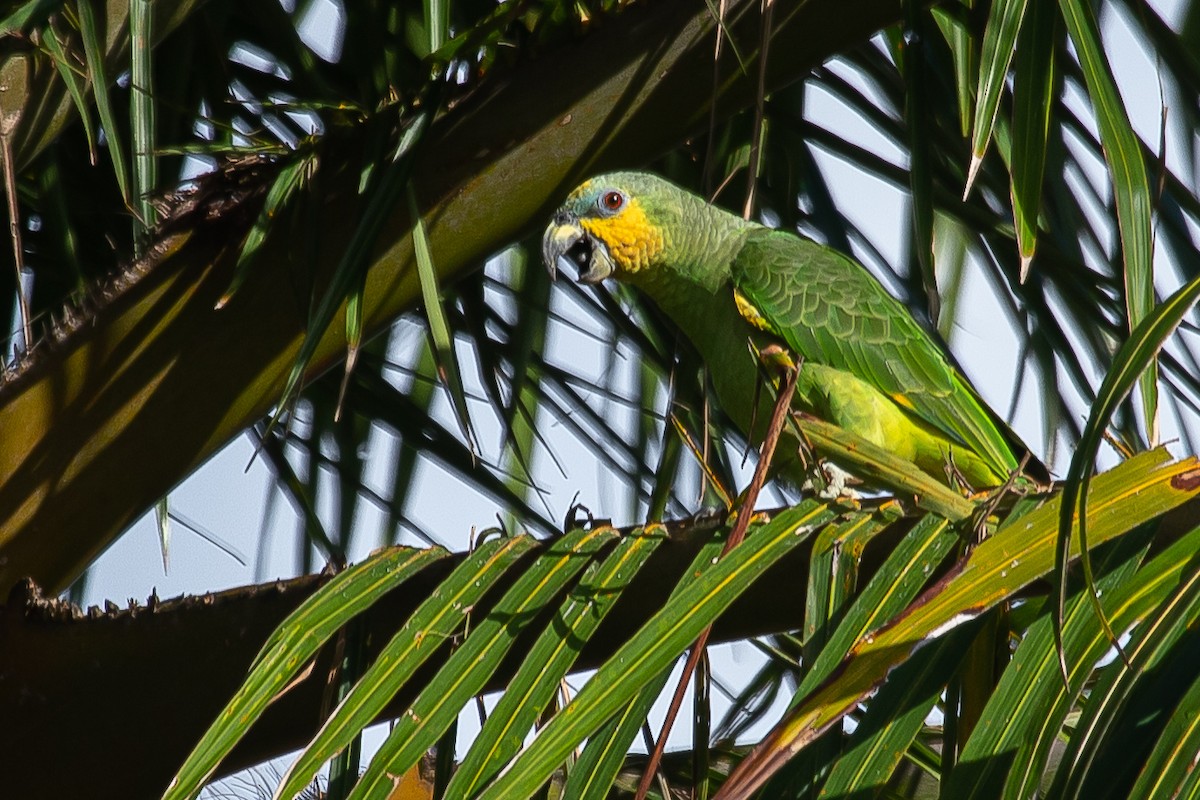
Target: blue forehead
{"x":584,"y":198}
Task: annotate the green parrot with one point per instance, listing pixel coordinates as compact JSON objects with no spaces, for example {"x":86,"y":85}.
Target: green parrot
{"x":865,"y":364}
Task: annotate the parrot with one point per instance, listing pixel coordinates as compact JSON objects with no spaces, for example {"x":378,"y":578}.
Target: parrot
{"x":865,"y":364}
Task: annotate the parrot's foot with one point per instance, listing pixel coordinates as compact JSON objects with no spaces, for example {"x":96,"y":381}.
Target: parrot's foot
{"x":837,"y":484}
{"x":957,"y":480}
{"x":775,"y":356}
{"x":990,"y":500}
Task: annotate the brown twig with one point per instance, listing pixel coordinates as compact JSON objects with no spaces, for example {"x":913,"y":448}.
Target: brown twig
{"x":745,"y":512}
{"x":759,"y":106}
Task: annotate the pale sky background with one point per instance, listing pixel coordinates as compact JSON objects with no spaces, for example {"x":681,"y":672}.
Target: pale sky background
{"x":229,"y":500}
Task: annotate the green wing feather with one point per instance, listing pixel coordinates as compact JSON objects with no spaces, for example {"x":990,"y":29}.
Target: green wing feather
{"x":831,"y":311}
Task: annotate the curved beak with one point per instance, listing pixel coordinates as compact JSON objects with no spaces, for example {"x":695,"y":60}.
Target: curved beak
{"x":561,"y":236}
{"x":565,"y":242}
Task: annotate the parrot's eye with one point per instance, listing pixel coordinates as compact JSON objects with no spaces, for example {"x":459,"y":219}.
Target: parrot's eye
{"x":611,"y":202}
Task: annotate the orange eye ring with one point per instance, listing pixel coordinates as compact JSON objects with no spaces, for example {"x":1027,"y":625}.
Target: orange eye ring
{"x":612,"y":201}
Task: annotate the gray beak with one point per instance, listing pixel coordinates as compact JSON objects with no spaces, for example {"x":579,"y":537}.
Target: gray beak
{"x":566,"y":243}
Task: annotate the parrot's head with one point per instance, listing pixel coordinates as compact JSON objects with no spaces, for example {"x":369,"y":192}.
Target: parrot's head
{"x":611,"y":225}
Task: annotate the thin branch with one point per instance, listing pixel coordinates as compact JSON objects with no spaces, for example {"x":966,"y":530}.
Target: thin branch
{"x":766,"y":454}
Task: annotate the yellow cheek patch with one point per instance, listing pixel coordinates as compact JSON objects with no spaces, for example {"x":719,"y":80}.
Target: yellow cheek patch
{"x":632,"y":241}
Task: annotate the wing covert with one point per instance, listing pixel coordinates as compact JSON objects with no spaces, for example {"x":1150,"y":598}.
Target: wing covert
{"x":831,"y":310}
